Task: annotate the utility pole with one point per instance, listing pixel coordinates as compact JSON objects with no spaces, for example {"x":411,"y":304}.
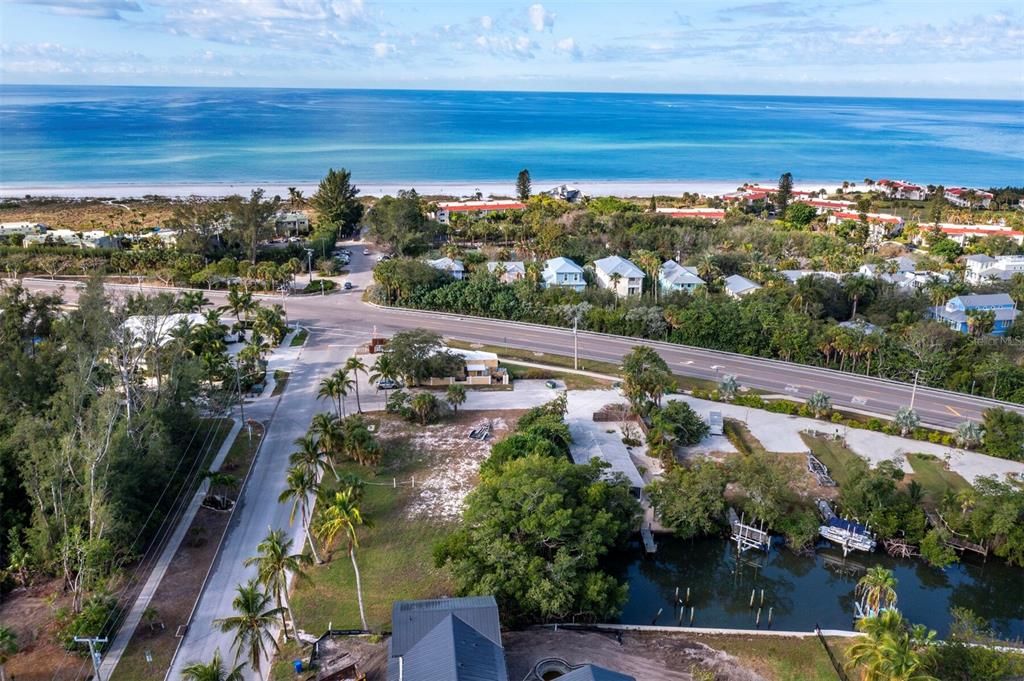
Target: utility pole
{"x":913,"y":393}
{"x":575,"y":344}
{"x":238,"y":387}
{"x":93,"y":653}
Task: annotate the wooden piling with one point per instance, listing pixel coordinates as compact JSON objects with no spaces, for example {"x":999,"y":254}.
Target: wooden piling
{"x":656,"y":616}
{"x":762,"y":596}
{"x":770,"y":616}
{"x":692,"y":611}
{"x":753,"y":592}
{"x":687,"y":595}
{"x":677,"y":596}
{"x":757,"y":620}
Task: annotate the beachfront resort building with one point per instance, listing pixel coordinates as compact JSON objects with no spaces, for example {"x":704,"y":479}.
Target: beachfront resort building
{"x":563,"y":272}
{"x":449,"y":265}
{"x":620,"y":275}
{"x":713,"y":214}
{"x":961,"y":313}
{"x":964,"y":233}
{"x":982,"y":269}
{"x":898,"y":189}
{"x":881,"y":226}
{"x":446,"y":209}
{"x":291,"y":222}
{"x":965,"y":197}
{"x":675,"y":277}
{"x":507,"y":271}
{"x":737,"y":286}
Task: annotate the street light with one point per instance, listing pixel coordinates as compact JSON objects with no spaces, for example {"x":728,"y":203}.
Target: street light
{"x":913,"y":393}
{"x":309,"y":263}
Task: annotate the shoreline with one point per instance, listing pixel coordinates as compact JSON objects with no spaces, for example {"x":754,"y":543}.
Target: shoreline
{"x":455,"y":188}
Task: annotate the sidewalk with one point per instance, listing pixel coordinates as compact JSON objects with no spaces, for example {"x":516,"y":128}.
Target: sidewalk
{"x":156,"y":575}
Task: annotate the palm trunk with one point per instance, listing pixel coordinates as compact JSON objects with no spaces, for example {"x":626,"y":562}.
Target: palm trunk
{"x":344,"y":412}
{"x":312,"y":546}
{"x":284,"y":620}
{"x":359,"y":588}
{"x":359,"y":405}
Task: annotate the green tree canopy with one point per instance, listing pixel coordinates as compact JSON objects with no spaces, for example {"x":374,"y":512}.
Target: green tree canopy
{"x":399,"y":224}
{"x":690,"y":500}
{"x":335,"y":201}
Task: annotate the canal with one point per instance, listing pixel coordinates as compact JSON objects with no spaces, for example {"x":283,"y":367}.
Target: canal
{"x":806,"y":590}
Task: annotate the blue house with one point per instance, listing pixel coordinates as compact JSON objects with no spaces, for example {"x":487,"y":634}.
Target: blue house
{"x":956,"y":313}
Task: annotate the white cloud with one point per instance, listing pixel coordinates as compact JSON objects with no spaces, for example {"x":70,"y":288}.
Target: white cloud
{"x":486,"y":23}
{"x":569,"y":46}
{"x":540,"y":18}
{"x":382,"y":50}
{"x":520,"y":47}
{"x":94,"y":9}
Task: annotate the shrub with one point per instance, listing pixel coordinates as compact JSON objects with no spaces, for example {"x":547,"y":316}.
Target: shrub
{"x":318,"y":285}
{"x":97,"y":618}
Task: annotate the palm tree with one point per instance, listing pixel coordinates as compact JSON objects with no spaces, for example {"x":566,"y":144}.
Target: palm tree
{"x":728,"y":386}
{"x":211,"y":671}
{"x":239,"y":302}
{"x":192,"y":301}
{"x":356,"y":366}
{"x":8,"y":647}
{"x":820,"y":403}
{"x":877,"y":590}
{"x":335,"y":387}
{"x":359,"y":443}
{"x":384,"y":370}
{"x":423,"y":405}
{"x":252,"y":624}
{"x":856,"y":287}
{"x":707,"y":268}
{"x":274,"y":564}
{"x":906,"y":419}
{"x":341,"y":516}
{"x":330,"y":437}
{"x":301,"y":488}
{"x":455,"y":396}
{"x":310,"y":455}
{"x":888,"y":651}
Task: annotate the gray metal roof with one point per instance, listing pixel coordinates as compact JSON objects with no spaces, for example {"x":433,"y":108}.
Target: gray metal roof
{"x":452,"y":651}
{"x":591,"y":672}
{"x":562,"y":265}
{"x":675,"y":274}
{"x":739,"y":284}
{"x":615,"y":264}
{"x":412,"y":620}
{"x":984,"y":300}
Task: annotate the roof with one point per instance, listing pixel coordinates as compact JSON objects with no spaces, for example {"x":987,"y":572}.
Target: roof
{"x":615,"y":264}
{"x":675,"y":274}
{"x":899,"y":184}
{"x":562,"y":265}
{"x":474,"y":355}
{"x":590,"y":672}
{"x":471,"y":206}
{"x":454,"y":651}
{"x":412,"y":620}
{"x":871,"y":217}
{"x":985,"y":300}
{"x":980,"y":193}
{"x":511,"y":266}
{"x":739,"y":284}
{"x":447,"y":264}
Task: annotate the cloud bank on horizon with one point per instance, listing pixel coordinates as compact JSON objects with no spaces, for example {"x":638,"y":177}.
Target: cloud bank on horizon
{"x":886,"y":48}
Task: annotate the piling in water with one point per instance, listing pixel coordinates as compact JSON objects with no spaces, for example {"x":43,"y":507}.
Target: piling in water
{"x":762,"y":596}
{"x":757,"y":621}
{"x":687,"y":595}
{"x":770,"y":616}
{"x":692,"y":610}
{"x":677,"y":595}
{"x":656,"y":616}
{"x":753,"y":592}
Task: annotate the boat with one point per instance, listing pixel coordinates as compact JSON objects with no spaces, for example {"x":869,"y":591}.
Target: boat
{"x":849,"y":535}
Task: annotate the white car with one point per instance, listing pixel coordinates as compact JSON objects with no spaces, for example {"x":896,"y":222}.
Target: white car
{"x":366,"y":251}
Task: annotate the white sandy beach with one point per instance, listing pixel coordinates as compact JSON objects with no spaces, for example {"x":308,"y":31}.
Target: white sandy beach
{"x":428,"y":188}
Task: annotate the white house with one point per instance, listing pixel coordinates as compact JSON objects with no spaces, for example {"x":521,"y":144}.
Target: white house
{"x":449,"y":265}
{"x":95,"y":238}
{"x":445,"y":209}
{"x":291,"y":222}
{"x":21,"y":228}
{"x":880,"y":225}
{"x":898,"y":189}
{"x":737,"y":286}
{"x":511,"y":270}
{"x":822,"y":206}
{"x":563,"y":272}
{"x":159,"y":329}
{"x":793,"y":276}
{"x":675,"y":277}
{"x":962,"y":233}
{"x":984,"y":268}
{"x":619,"y":275}
{"x":965,"y":197}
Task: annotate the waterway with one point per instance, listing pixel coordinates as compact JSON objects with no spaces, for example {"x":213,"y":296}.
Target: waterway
{"x":807,"y":590}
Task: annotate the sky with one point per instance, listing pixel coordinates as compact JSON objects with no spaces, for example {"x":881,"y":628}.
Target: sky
{"x":888,"y":48}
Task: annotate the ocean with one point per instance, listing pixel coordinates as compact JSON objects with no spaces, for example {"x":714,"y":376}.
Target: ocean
{"x":75,"y":137}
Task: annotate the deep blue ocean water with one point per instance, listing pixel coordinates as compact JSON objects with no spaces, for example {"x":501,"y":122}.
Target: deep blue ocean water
{"x":59,"y":135}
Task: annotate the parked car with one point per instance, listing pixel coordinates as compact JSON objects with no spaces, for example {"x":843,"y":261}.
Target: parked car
{"x":366,"y":251}
{"x":349,"y":286}
{"x":388,"y":384}
{"x":551,"y":384}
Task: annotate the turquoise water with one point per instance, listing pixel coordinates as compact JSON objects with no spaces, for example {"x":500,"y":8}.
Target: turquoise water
{"x":804,"y":591}
{"x":60,"y":135}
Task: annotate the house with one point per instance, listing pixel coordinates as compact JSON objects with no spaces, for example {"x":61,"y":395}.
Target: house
{"x":563,"y":272}
{"x":446,"y":639}
{"x":957,"y":313}
{"x":714,"y":214}
{"x":291,"y":222}
{"x":449,"y":265}
{"x":880,"y":225}
{"x":737,"y":286}
{"x":892,"y":266}
{"x":675,"y":277}
{"x":21,"y":228}
{"x":749,"y":193}
{"x":565,"y":193}
{"x":95,"y":238}
{"x":793,"y":276}
{"x":984,"y":268}
{"x":963,"y":233}
{"x":478,"y":368}
{"x":901,"y":272}
{"x":898,"y":189}
{"x":510,"y":270}
{"x":965,"y":197}
{"x":445,"y":209}
{"x":619,"y":275}
{"x":823,"y":206}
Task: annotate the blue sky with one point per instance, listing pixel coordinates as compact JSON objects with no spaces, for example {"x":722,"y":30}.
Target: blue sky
{"x":966,"y":48}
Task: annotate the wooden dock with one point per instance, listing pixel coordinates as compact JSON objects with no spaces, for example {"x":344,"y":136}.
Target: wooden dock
{"x":648,"y":537}
{"x":955,"y":540}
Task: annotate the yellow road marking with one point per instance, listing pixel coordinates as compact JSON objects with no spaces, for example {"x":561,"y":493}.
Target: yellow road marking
{"x":952,"y":410}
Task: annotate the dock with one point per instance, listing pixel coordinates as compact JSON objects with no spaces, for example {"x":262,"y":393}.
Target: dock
{"x":954,"y":540}
{"x":748,"y":536}
{"x":648,"y":537}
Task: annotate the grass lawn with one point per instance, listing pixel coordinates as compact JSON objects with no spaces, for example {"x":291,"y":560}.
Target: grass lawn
{"x":843,"y":464}
{"x":741,"y":437}
{"x":572,"y":381}
{"x":932,"y":475}
{"x":779,"y":659}
{"x":299,"y":338}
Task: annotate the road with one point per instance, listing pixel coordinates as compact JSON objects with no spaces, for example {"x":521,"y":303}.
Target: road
{"x":341,"y":321}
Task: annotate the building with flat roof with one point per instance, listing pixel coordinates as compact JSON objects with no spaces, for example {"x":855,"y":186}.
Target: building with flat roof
{"x":445,"y":209}
{"x":964,"y":233}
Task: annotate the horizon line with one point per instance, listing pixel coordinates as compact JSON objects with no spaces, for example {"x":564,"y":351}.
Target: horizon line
{"x":648,"y":93}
